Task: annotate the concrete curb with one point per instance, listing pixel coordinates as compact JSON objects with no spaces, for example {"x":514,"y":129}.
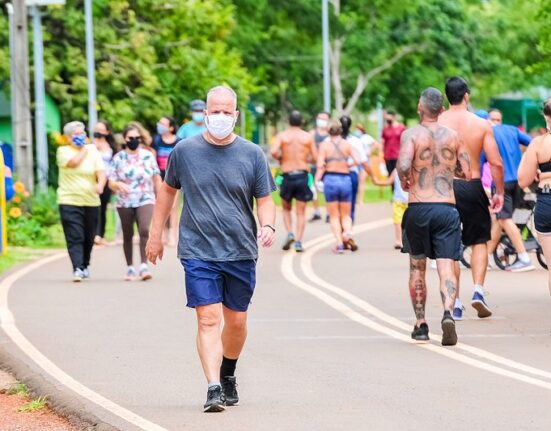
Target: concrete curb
{"x":60,"y":399}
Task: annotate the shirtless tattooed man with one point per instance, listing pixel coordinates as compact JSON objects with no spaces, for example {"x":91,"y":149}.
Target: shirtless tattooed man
{"x":430,"y":155}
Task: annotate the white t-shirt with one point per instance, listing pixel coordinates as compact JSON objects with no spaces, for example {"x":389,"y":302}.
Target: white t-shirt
{"x":359,"y":151}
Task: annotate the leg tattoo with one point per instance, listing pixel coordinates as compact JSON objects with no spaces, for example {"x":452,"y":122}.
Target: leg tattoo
{"x":417,"y":287}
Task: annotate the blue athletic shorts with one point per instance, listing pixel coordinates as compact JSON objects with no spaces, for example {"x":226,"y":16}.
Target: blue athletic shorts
{"x":230,"y":283}
{"x":337,"y":187}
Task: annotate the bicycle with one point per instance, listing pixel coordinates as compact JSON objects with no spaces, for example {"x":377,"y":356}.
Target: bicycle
{"x":505,"y":254}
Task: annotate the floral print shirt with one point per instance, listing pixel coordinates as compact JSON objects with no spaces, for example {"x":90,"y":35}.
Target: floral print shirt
{"x":137,"y":172}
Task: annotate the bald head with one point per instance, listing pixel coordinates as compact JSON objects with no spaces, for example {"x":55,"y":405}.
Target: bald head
{"x":223,"y":94}
{"x":431,"y":102}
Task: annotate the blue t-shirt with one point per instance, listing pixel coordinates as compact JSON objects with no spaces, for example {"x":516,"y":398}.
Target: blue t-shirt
{"x":508,"y":139}
{"x":163,"y":151}
{"x":190,"y":129}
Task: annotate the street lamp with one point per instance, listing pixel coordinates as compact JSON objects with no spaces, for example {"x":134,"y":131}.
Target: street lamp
{"x":326,"y":70}
{"x":39,"y":90}
{"x":90,"y":67}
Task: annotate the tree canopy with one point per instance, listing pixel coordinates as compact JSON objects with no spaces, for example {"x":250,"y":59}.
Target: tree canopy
{"x":153,"y":57}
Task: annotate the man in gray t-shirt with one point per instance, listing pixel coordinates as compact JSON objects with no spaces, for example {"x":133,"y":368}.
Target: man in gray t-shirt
{"x":220,"y":175}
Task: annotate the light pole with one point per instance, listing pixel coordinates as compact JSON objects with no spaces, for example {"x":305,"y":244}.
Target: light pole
{"x":39,"y":91}
{"x":326,"y":53}
{"x":90,"y":67}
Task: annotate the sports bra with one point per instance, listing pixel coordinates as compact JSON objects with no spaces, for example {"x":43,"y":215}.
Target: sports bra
{"x":545,"y":166}
{"x":340,"y":158}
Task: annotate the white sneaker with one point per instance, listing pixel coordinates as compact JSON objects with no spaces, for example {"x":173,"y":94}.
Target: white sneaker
{"x":520,"y":266}
{"x":130,"y":274}
{"x":78,"y":275}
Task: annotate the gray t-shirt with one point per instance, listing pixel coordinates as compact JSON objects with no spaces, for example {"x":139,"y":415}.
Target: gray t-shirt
{"x":219,"y":184}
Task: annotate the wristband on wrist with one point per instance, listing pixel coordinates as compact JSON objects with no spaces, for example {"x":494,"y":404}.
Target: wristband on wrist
{"x":270,"y":226}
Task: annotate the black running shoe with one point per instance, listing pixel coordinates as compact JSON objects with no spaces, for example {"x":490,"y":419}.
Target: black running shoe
{"x":449,"y":336}
{"x":229,"y":387}
{"x":421,"y":332}
{"x":315,"y":217}
{"x":288,"y":241}
{"x":216,"y":401}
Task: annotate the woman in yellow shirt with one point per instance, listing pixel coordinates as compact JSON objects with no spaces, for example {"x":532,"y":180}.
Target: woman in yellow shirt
{"x":81,"y":180}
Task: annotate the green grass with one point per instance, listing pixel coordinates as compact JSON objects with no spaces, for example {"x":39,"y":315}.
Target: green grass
{"x":19,"y":389}
{"x":34,"y":405}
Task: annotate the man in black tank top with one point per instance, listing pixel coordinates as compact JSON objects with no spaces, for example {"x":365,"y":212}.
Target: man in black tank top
{"x":320,"y":133}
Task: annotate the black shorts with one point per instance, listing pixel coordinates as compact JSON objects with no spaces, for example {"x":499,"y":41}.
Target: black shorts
{"x":511,"y":198}
{"x":432,"y":230}
{"x":542,"y":214}
{"x":473,"y":205}
{"x":295,"y":186}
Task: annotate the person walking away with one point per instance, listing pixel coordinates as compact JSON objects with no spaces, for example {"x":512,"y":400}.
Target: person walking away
{"x":293,"y":148}
{"x":163,"y":143}
{"x":333,"y":167}
{"x":319,"y":133}
{"x":429,"y":156}
{"x":471,"y":200}
{"x":81,"y":182}
{"x":399,"y":204}
{"x":107,"y":147}
{"x":538,"y":158}
{"x":391,"y":140}
{"x":369,"y":145}
{"x":221,"y":175}
{"x":135,"y":177}
{"x":509,"y":139}
{"x":197,"y":124}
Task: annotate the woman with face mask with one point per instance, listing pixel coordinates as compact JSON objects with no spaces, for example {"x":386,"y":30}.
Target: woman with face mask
{"x":163,"y":143}
{"x":81,"y":182}
{"x":105,"y":143}
{"x":134,"y":177}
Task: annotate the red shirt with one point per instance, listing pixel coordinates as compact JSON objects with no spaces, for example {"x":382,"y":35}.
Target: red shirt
{"x":391,"y":140}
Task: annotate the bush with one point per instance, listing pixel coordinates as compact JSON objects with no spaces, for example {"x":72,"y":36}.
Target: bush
{"x":43,"y":208}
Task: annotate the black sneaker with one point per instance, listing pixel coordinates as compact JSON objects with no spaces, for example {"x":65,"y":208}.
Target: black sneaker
{"x":449,"y":336}
{"x":421,"y":332}
{"x":229,"y":387}
{"x":216,"y":401}
{"x":315,"y":217}
{"x":288,"y":241}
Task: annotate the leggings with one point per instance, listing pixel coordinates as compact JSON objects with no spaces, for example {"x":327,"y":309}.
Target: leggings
{"x":354,"y":178}
{"x":142,"y":216}
{"x":105,"y":197}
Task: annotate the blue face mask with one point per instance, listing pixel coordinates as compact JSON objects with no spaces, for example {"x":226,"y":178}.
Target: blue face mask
{"x":78,"y":140}
{"x":161,"y":130}
{"x":198,"y":117}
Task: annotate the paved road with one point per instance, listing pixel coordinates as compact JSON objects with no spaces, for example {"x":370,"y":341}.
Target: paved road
{"x":328,"y":345}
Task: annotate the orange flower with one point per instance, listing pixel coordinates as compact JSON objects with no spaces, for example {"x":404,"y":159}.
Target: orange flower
{"x":19,"y":187}
{"x":15,"y":212}
{"x":16,"y":200}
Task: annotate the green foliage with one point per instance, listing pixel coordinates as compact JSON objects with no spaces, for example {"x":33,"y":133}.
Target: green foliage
{"x":34,"y":405}
{"x":25,"y":231}
{"x":44,"y":208}
{"x":19,"y":389}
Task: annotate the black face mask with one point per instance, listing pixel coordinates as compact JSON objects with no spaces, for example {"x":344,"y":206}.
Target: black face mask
{"x":133,"y":143}
{"x":99,"y":135}
{"x":389,"y":122}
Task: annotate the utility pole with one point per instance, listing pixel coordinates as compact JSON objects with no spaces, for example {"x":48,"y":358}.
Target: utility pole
{"x":90,"y":66}
{"x":21,"y":101}
{"x":39,"y":100}
{"x":326,"y":53}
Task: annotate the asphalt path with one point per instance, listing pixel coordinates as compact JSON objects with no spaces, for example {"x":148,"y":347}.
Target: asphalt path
{"x":328,"y":345}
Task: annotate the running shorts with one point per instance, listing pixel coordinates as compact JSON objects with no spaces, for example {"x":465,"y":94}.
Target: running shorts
{"x":432,"y":230}
{"x":398,"y":210}
{"x":231,"y":283}
{"x":295,"y":186}
{"x":337,"y":187}
{"x":511,"y":198}
{"x":473,"y":205}
{"x":542,"y":214}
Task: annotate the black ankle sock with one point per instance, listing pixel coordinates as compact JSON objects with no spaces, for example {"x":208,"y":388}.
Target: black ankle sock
{"x":228,"y":367}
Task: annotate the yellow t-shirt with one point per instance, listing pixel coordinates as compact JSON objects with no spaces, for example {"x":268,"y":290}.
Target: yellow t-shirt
{"x":77,"y":185}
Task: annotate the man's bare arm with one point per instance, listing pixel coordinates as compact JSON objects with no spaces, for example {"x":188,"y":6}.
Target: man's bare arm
{"x":163,"y":206}
{"x":492,"y":155}
{"x":275,"y":149}
{"x":313,"y":150}
{"x":405,"y":159}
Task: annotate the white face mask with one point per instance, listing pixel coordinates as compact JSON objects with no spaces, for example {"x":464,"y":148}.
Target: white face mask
{"x":220,"y":125}
{"x":321,"y":124}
